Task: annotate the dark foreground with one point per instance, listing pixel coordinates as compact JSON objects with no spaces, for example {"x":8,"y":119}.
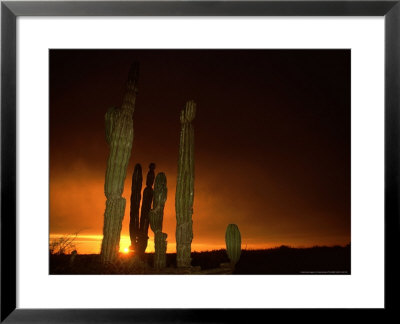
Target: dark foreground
{"x":282,"y":260}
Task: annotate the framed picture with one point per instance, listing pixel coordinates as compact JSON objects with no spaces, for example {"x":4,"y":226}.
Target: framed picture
{"x":288,"y":112}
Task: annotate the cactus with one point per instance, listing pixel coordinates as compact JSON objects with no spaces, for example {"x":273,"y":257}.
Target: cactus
{"x":185,"y":187}
{"x":138,"y":229}
{"x":119,"y":136}
{"x":156,"y":219}
{"x":233,"y":243}
{"x":142,"y":236}
{"x":160,"y":256}
{"x":135,"y":205}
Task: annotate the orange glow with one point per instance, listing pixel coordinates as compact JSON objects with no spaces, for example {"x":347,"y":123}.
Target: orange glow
{"x":90,"y":244}
{"x":65,"y":216}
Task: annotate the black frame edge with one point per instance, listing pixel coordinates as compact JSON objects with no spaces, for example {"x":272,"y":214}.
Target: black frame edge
{"x":392,"y":153}
{"x":203,"y":8}
{"x":8,"y":162}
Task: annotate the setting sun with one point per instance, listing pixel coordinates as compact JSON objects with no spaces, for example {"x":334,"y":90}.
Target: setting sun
{"x":126,"y":250}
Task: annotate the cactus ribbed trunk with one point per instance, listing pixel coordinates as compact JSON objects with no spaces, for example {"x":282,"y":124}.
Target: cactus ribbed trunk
{"x":156,"y":216}
{"x":233,"y":243}
{"x":142,"y":236}
{"x":160,"y":255}
{"x":135,"y":205}
{"x":119,"y":136}
{"x":185,"y":187}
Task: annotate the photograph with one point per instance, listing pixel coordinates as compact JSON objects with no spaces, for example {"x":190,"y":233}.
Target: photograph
{"x":199,"y":162}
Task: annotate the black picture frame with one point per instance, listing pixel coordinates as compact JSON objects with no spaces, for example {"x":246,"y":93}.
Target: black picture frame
{"x":10,"y":10}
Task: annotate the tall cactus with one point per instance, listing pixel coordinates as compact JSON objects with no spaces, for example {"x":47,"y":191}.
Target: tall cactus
{"x":185,"y":187}
{"x":119,"y":136}
{"x":142,"y":236}
{"x":135,"y":205}
{"x":233,"y":243}
{"x":156,"y":219}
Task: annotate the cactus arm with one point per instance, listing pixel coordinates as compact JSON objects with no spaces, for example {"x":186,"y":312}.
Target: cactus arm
{"x":128,"y":103}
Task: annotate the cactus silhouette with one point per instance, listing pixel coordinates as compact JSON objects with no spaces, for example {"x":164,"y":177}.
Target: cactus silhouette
{"x":135,"y":206}
{"x":142,"y":234}
{"x":119,"y":137}
{"x":156,"y":219}
{"x":233,"y":243}
{"x":184,"y":196}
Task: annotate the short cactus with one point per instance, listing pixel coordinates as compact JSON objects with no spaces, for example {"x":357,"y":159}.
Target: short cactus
{"x":156,"y":219}
{"x":233,"y":243}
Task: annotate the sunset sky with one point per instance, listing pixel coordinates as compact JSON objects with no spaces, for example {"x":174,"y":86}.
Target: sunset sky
{"x":272,"y":142}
